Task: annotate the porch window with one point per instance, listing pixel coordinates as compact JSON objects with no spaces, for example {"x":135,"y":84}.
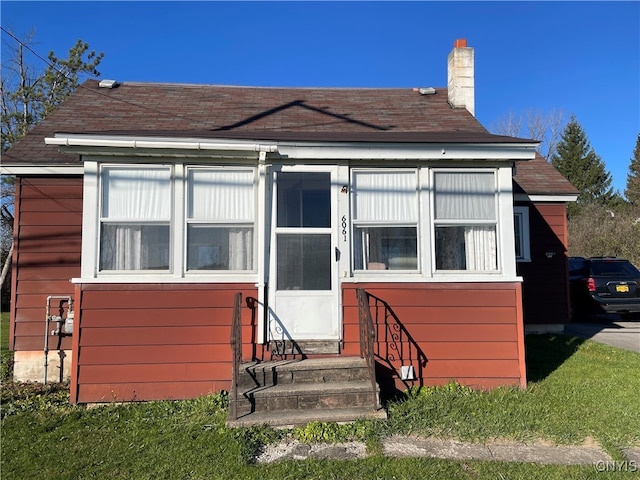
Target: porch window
{"x":135,"y":218}
{"x":385,"y":220}
{"x":465,"y":221}
{"x":220,"y":219}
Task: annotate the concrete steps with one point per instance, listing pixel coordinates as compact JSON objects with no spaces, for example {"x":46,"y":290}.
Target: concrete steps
{"x":295,"y":392}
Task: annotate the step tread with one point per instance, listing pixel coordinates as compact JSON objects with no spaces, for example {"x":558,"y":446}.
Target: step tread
{"x":328,"y":388}
{"x":306,"y":364}
{"x":293,"y":418}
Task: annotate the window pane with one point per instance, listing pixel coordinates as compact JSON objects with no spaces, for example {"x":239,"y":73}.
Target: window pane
{"x":136,"y":194}
{"x":465,"y":196}
{"x":134,"y":247}
{"x":221,"y":195}
{"x":219,"y":248}
{"x":517,"y":224}
{"x":304,"y":199}
{"x":386,"y":248}
{"x":304,"y":262}
{"x":385,"y":196}
{"x":466,"y":248}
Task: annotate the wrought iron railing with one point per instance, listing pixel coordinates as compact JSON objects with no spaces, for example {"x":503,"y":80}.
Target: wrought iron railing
{"x":236,"y":349}
{"x":367,"y":340}
{"x":395,"y":345}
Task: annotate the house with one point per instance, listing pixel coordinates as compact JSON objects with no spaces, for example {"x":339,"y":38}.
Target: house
{"x":143,"y":210}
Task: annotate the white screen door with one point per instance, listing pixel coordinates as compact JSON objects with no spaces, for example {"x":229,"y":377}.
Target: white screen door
{"x":303,"y":284}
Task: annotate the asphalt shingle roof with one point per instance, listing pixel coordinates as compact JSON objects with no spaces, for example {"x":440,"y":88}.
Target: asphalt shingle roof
{"x":258,"y":113}
{"x":539,"y":177}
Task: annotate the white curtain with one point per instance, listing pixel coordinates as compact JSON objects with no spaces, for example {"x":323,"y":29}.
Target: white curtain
{"x":240,"y":249}
{"x":134,"y":247}
{"x":221,"y":195}
{"x":129,"y":249}
{"x":218,"y":197}
{"x":480,"y":247}
{"x":465,"y":196}
{"x":130,"y":198}
{"x":385,"y":196}
{"x":136,"y":194}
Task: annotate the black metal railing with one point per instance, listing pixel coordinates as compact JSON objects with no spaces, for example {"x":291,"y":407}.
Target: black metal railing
{"x":236,"y":349}
{"x":395,"y":345}
{"x":367,"y":340}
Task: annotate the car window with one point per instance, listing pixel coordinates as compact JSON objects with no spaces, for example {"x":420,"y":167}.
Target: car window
{"x":614,"y":269}
{"x":577,"y":266}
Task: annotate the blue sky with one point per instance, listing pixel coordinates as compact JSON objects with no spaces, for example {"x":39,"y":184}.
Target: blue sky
{"x":581,"y":58}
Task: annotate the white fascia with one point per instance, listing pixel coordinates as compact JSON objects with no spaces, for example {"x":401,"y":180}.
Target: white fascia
{"x":408,"y":151}
{"x":42,"y":169}
{"x":545,"y":198}
{"x":87,"y":144}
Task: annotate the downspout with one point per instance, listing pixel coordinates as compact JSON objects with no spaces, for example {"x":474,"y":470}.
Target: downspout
{"x":262,"y":266}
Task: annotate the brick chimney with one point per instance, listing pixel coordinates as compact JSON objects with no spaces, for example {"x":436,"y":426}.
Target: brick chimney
{"x":460,"y":76}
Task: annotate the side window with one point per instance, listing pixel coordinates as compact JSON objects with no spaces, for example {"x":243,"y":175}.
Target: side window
{"x":465,"y":221}
{"x":521,"y":231}
{"x":220,"y":219}
{"x":385,"y":219}
{"x":135,"y":218}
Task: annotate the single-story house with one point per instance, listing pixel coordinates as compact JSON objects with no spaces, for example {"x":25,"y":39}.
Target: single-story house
{"x":143,"y":209}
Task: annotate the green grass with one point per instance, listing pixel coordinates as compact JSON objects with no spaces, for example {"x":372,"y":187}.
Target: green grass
{"x":580,"y":389}
{"x":6,"y":357}
{"x":4,"y":331}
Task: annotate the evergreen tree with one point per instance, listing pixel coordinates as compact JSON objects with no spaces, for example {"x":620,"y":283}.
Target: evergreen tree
{"x":576,"y":160}
{"x":632,"y":192}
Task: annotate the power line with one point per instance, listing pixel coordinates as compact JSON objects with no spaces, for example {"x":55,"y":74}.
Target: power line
{"x":53,"y":66}
{"x":24,"y":45}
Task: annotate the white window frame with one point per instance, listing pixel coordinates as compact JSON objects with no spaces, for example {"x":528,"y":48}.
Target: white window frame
{"x":504,"y":225}
{"x":496,"y":222}
{"x":102,"y":221}
{"x":194,"y":221}
{"x":355,"y":224}
{"x":523,"y":231}
{"x":92,"y":210}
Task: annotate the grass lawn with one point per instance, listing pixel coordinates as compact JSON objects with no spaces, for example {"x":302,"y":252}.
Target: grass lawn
{"x":578,"y":390}
{"x":6,"y":357}
{"x":4,"y":331}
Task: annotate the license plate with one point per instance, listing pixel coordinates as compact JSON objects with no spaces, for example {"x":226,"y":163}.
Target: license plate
{"x":622,"y":288}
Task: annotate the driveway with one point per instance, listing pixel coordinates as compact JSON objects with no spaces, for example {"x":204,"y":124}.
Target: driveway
{"x":615,"y":333}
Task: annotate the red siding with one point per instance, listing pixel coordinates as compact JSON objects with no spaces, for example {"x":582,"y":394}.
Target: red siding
{"x":468,"y":332}
{"x":48,"y":231}
{"x":156,"y":341}
{"x":545,"y":286}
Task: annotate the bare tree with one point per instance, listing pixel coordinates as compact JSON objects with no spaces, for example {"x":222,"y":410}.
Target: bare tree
{"x":27,"y":95}
{"x":534,"y":124}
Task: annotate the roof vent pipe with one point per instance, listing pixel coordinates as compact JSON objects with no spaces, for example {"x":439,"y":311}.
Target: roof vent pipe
{"x":460,"y":76}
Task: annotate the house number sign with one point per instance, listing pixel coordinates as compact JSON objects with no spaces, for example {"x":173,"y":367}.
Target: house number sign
{"x":344,"y":228}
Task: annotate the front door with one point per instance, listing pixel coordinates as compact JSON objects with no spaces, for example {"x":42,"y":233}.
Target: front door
{"x":303,"y":286}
